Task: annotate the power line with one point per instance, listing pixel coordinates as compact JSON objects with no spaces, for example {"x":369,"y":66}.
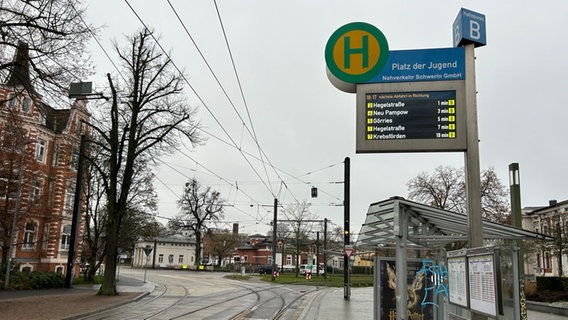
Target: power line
{"x":232,"y":143}
{"x":251,"y":131}
{"x":196,"y":94}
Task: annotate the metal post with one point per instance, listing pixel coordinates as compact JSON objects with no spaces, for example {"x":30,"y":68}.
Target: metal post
{"x":325,"y":248}
{"x":515,"y":190}
{"x":146,"y":267}
{"x":147,"y":250}
{"x":274,"y":226}
{"x":346,"y":201}
{"x":317,"y":253}
{"x":76,"y":214}
{"x":472,"y":171}
{"x":401,"y":267}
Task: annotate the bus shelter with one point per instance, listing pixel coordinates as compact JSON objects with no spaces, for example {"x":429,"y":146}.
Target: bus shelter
{"x":404,"y":225}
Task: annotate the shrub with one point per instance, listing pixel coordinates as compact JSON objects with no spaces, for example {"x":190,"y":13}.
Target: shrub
{"x":36,"y":280}
{"x":551,"y":283}
{"x":361,"y":270}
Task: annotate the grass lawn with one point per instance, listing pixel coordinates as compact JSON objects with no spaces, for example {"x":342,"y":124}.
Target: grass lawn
{"x":333,"y":280}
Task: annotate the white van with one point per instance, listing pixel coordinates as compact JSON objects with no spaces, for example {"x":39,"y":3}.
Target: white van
{"x":312,"y":270}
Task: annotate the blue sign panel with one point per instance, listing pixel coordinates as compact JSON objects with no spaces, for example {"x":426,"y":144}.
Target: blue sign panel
{"x":469,"y":27}
{"x":423,"y":65}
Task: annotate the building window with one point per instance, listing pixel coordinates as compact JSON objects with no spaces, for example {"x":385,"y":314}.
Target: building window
{"x":35,"y":192}
{"x":30,"y":233}
{"x":74,"y":162}
{"x":171,"y":258}
{"x":45,"y":233}
{"x":65,"y":237}
{"x":26,"y":268}
{"x":40,"y":150}
{"x":288,"y":259}
{"x":69,"y":194}
{"x":160,"y":258}
{"x":82,"y":126}
{"x":3,"y":187}
{"x":180,"y":258}
{"x":26,"y":104}
{"x":12,"y":101}
{"x":42,"y":119}
{"x":547,"y":260}
{"x":59,"y":270}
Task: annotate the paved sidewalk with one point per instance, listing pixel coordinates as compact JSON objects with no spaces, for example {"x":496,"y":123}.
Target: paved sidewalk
{"x":329,"y":303}
{"x":68,"y":303}
{"x":326,"y":303}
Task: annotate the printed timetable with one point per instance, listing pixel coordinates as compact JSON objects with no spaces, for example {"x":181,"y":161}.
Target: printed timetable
{"x":411,"y":115}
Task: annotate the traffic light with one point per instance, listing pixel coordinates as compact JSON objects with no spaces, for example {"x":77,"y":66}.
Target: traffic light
{"x":314,"y":192}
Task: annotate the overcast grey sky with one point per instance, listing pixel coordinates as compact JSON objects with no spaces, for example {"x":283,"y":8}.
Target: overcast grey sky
{"x":306,"y":127}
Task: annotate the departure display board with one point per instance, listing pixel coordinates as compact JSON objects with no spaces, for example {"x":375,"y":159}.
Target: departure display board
{"x":411,"y":115}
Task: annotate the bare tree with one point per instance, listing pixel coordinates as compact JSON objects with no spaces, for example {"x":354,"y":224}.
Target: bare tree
{"x":139,"y":221}
{"x":442,"y":189}
{"x":445,"y":189}
{"x":55,"y":33}
{"x":199,"y":205}
{"x":222,"y":242}
{"x":93,"y":252}
{"x":298,"y":215}
{"x":148,"y":117}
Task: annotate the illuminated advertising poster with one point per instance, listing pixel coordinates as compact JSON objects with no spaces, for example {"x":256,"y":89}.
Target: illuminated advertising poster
{"x":417,"y":288}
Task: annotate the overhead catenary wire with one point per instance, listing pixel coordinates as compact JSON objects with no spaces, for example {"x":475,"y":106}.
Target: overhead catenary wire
{"x":199,"y":97}
{"x":251,"y":131}
{"x":262,"y":158}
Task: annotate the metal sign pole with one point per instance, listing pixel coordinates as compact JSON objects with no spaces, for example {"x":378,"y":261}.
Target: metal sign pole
{"x":346,"y":288}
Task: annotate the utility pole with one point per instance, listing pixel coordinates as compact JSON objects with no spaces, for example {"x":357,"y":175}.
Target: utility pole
{"x":76,"y":214}
{"x":346,"y":201}
{"x":325,"y":248}
{"x":317,"y":253}
{"x":274,"y":245}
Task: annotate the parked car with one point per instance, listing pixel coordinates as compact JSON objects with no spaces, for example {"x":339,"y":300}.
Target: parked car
{"x":266,"y":269}
{"x":289,"y":268}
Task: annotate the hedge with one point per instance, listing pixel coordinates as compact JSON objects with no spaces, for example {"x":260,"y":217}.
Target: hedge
{"x":36,"y":280}
{"x":552,"y":283}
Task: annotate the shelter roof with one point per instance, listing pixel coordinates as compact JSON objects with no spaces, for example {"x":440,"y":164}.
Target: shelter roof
{"x":427,"y":227}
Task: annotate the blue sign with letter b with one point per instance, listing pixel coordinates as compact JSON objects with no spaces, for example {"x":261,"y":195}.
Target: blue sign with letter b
{"x":469,"y":27}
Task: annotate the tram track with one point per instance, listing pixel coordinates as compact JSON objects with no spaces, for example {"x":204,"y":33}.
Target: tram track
{"x":205,"y":297}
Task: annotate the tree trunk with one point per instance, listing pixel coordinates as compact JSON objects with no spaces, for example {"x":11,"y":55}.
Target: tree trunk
{"x":559,"y":257}
{"x":108,"y":287}
{"x":197,"y":247}
{"x":219,"y":258}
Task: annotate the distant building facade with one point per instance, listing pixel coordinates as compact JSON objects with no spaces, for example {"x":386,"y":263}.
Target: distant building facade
{"x":174,"y":252}
{"x":258,"y":251}
{"x":549,"y":220}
